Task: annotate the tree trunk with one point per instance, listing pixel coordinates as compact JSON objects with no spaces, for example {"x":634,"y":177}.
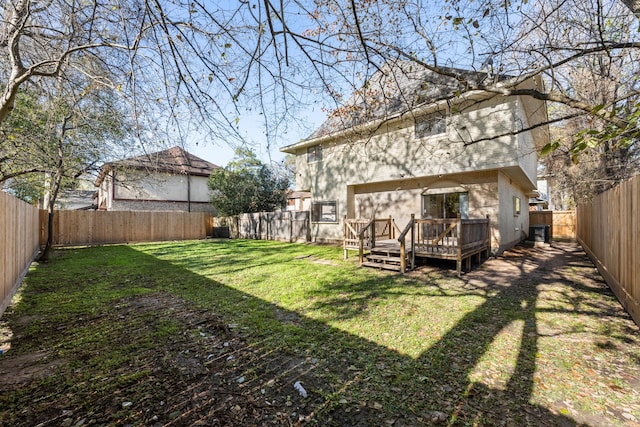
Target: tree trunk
{"x":44,"y":255}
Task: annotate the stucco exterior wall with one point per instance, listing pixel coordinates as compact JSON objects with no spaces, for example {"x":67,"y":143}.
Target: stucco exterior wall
{"x":142,"y":185}
{"x":385,"y":173}
{"x":511,"y":225}
{"x":105,"y":193}
{"x":399,"y":199}
{"x":394,"y":151}
{"x":527,"y":146}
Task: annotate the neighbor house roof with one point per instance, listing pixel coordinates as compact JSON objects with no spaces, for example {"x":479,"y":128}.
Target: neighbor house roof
{"x":298,"y":194}
{"x":174,"y":160}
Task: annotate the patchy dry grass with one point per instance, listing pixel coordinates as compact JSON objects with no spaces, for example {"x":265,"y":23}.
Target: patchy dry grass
{"x":217,"y":332}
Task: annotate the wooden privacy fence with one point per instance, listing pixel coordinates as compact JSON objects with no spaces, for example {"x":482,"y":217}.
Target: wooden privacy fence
{"x":99,"y":227}
{"x":288,"y":226}
{"x":562,"y":223}
{"x":19,"y":234}
{"x":609,"y":231}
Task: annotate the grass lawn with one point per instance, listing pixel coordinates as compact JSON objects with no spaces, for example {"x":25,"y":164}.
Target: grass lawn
{"x":217,"y":332}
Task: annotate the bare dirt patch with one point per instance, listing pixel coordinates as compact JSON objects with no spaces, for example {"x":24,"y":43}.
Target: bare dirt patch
{"x":25,"y":368}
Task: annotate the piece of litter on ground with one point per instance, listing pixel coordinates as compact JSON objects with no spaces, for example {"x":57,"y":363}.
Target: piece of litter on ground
{"x":126,"y":404}
{"x":300,"y":389}
{"x":241,"y":380}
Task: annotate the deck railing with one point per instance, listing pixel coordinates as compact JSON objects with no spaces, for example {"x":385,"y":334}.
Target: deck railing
{"x":361,"y":233}
{"x":448,"y":235}
{"x":409,"y":231}
{"x":452,"y":238}
{"x":447,"y":238}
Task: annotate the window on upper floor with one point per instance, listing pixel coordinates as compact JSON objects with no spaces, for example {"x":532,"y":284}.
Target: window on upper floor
{"x":314,"y":154}
{"x":430,"y":126}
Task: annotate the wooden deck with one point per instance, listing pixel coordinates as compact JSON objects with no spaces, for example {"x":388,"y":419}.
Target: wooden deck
{"x":451,"y":238}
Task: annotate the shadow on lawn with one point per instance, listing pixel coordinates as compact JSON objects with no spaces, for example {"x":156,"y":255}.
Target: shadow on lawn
{"x":350,"y":380}
{"x":440,"y":388}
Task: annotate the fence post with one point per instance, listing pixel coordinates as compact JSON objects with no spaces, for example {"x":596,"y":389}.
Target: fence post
{"x":291,"y":227}
{"x":488,"y":237}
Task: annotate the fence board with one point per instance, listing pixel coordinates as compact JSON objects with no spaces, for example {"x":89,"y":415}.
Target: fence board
{"x":101,"y":227}
{"x":562,"y":223}
{"x":288,"y":226}
{"x":20,"y":237}
{"x":608,"y":229}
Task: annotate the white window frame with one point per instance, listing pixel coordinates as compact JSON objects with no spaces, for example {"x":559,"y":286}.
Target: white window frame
{"x":328,"y":212}
{"x":314,"y":154}
{"x":517,"y":206}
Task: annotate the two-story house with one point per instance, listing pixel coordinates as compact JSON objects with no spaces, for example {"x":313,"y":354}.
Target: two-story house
{"x":415,"y":142}
{"x":168,"y":180}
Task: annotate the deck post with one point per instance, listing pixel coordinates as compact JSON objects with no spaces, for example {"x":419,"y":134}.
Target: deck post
{"x":361,"y":250}
{"x":413,"y":241}
{"x":403,"y":257}
{"x":460,"y":244}
{"x":392,"y":232}
{"x":372,"y":240}
{"x":344,"y":237}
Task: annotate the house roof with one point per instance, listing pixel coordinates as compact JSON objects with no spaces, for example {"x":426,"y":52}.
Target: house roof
{"x":393,"y":90}
{"x":633,"y":5}
{"x":174,"y":160}
{"x":298,"y":194}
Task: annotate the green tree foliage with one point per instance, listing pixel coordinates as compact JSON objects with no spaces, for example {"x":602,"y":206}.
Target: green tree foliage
{"x":247,"y":185}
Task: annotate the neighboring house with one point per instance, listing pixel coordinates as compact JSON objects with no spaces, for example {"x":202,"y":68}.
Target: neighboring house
{"x":405,"y":144}
{"x":172,"y":180}
{"x":298,"y":200}
{"x":541,"y":200}
{"x":76,"y":200}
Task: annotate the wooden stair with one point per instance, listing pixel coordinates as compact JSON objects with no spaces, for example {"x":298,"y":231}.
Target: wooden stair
{"x":385,"y":259}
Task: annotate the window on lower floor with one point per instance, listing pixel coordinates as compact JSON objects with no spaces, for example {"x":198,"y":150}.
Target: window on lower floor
{"x":516,"y":206}
{"x":324,"y":211}
{"x":445,"y":205}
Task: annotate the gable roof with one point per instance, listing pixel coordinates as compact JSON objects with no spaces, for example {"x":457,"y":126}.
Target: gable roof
{"x":394,"y":89}
{"x":174,"y":160}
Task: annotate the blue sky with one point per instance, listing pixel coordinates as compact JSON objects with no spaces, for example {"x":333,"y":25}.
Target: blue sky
{"x":252,"y":130}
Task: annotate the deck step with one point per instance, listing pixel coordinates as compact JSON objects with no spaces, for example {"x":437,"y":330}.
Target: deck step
{"x":394,"y":267}
{"x":387,"y":252}
{"x":383,"y":258}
